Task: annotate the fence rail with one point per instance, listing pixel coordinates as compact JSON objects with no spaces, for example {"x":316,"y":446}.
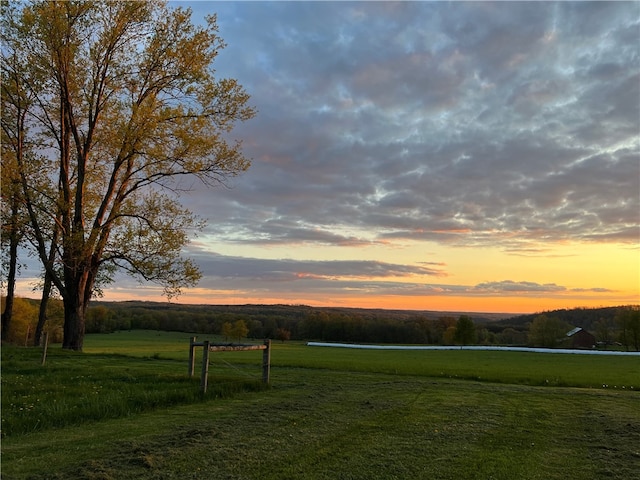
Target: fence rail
{"x":207,"y":347}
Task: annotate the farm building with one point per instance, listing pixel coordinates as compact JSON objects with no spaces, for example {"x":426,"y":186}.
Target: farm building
{"x":580,"y":338}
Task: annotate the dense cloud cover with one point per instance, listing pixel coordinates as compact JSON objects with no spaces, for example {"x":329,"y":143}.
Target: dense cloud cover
{"x":466,"y":122}
{"x":511,"y":125}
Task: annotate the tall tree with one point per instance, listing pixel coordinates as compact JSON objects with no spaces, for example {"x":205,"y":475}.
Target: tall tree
{"x":629,"y":320}
{"x":239,"y":329}
{"x":126,"y":109}
{"x":16,"y":102}
{"x":11,"y":235}
{"x":547,"y":331}
{"x":465,"y":332}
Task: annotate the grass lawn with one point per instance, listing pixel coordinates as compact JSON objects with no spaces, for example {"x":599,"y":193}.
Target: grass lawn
{"x":329,"y":414}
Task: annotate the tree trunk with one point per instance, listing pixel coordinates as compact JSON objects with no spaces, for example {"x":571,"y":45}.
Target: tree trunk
{"x":46,"y":290}
{"x":74,"y":321}
{"x":76,"y":301}
{"x":11,"y":274}
{"x":42,"y":315}
{"x":8,"y":311}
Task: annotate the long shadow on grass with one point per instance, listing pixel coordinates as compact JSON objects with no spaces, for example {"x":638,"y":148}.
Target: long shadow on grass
{"x":73,"y":389}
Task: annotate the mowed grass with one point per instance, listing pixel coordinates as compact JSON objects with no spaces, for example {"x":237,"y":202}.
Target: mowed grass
{"x":592,"y":371}
{"x":329,"y":414}
{"x":75,"y":388}
{"x":143,"y":343}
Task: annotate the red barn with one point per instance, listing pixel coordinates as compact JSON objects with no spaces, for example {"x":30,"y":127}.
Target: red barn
{"x":580,"y":338}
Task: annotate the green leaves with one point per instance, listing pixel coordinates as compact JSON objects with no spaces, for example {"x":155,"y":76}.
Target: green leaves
{"x":148,"y":238}
{"x":124,"y":104}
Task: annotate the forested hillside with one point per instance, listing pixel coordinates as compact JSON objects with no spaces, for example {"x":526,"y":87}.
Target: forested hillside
{"x":611,"y":326}
{"x":300,"y":322}
{"x":586,"y":318}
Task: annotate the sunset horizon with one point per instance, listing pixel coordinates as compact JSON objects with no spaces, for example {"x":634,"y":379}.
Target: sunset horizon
{"x":465,"y":156}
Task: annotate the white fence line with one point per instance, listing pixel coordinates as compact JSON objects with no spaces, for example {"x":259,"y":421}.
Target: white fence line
{"x":470,"y":347}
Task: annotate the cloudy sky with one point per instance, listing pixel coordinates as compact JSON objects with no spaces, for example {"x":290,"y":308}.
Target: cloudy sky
{"x":437,"y":156}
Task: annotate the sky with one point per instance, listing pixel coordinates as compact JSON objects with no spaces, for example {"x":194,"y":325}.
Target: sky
{"x":451,"y":156}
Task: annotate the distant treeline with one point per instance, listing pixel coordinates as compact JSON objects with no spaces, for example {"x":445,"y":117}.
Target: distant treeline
{"x":299,"y":322}
{"x":586,"y":318}
{"x":296,"y":322}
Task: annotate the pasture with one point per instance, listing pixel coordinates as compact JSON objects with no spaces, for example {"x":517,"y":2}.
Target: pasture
{"x":126,"y":409}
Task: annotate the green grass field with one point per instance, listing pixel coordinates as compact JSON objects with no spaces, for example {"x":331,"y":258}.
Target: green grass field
{"x":126,"y":409}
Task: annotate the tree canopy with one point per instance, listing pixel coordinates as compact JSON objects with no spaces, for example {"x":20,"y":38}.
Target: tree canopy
{"x":547,"y":331}
{"x":110,"y":106}
{"x":465,"y":332}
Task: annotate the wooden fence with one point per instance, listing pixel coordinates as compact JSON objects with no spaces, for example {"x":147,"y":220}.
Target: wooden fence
{"x":228,"y":347}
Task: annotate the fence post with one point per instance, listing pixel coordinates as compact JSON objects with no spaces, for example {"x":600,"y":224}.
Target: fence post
{"x":192,"y":356}
{"x":204,"y":378}
{"x":44,"y":348}
{"x":266,"y":361}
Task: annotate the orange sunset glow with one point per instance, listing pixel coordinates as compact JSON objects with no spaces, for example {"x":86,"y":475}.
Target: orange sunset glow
{"x":478,"y":157}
